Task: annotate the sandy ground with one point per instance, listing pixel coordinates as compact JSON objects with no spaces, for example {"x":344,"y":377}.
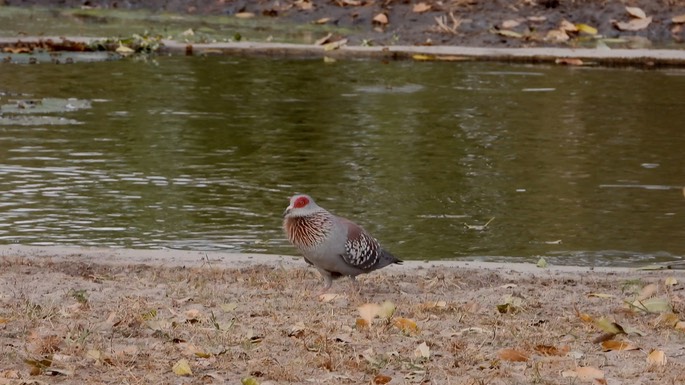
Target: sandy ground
{"x":101,"y":316}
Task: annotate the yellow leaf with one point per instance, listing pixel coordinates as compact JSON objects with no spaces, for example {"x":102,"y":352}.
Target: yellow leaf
{"x":670,"y":281}
{"x":421,"y":7}
{"x":387,"y":309}
{"x":636,"y":12}
{"x":249,"y":381}
{"x":381,"y":19}
{"x":513,"y":355}
{"x":617,"y":345}
{"x":608,"y":326}
{"x":4,"y":320}
{"x":361,"y":323}
{"x":656,"y":358}
{"x":654,"y":305}
{"x":542,"y":263}
{"x":406,"y":325}
{"x":585,"y":373}
{"x":666,"y":319}
{"x":423,"y":57}
{"x":182,"y":368}
{"x":584,"y":28}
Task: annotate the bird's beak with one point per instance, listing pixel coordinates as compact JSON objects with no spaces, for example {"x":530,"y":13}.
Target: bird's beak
{"x":287,"y":211}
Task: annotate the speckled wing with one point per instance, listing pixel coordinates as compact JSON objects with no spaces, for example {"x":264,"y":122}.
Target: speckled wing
{"x":361,"y":249}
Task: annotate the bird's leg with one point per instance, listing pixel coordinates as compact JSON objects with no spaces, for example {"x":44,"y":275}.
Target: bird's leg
{"x":327,"y":281}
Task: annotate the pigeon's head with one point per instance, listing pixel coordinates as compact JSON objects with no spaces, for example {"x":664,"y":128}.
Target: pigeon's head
{"x":301,"y":206}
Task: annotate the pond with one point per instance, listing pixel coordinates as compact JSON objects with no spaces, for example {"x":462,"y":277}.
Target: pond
{"x":580,"y":165}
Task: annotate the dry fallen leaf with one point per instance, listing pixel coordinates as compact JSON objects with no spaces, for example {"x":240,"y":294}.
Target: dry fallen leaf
{"x":381,"y":19}
{"x":647,"y":292}
{"x":680,"y":19}
{"x":584,"y":28}
{"x":601,"y":295}
{"x":547,"y":350}
{"x":368,"y":311}
{"x":323,"y":41}
{"x":182,"y":368}
{"x":608,"y":326}
{"x":585,"y":373}
{"x":680,"y":325}
{"x":508,"y":33}
{"x":567,"y":26}
{"x":656,"y":358}
{"x":244,"y":15}
{"x":513,"y":355}
{"x":509,"y":24}
{"x":617,"y":345}
{"x":322,"y":20}
{"x":406,"y":325}
{"x":670,"y":281}
{"x":304,"y":5}
{"x":636,"y":12}
{"x":421,"y":7}
{"x":328,"y":297}
{"x":556,"y":36}
{"x":422,"y":351}
{"x":361,"y":323}
{"x":634,"y":24}
{"x":381,"y":379}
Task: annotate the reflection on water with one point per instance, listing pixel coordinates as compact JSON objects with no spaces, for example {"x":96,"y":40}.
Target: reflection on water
{"x":580,"y":165}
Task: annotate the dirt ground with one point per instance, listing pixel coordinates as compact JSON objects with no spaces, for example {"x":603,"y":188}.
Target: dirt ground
{"x":104,"y":318}
{"x":481,"y":23}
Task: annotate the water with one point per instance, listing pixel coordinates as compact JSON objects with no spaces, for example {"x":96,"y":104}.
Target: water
{"x":581,"y":165}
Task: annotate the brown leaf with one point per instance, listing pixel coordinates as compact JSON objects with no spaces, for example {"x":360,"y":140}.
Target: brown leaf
{"x":381,"y":19}
{"x":406,"y":325}
{"x":421,"y":7}
{"x":656,"y":358}
{"x":585,"y":373}
{"x":634,"y":24}
{"x":548,"y":350}
{"x":636,"y":12}
{"x":680,"y":19}
{"x":381,"y":379}
{"x":617,"y":345}
{"x":513,"y":355}
{"x":361,"y":323}
{"x":322,"y":20}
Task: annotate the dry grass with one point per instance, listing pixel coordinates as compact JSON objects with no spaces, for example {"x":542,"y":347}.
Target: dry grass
{"x":74,"y":323}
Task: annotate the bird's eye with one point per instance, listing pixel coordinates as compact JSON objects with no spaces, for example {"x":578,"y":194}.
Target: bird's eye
{"x":301,"y":202}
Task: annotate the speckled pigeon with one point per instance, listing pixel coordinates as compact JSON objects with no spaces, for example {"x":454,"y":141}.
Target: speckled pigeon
{"x":334,"y":245}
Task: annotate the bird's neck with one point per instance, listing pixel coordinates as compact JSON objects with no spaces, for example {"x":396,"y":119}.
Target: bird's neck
{"x":308,"y":231}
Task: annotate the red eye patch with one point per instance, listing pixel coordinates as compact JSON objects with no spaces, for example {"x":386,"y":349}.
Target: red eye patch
{"x":301,"y":202}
